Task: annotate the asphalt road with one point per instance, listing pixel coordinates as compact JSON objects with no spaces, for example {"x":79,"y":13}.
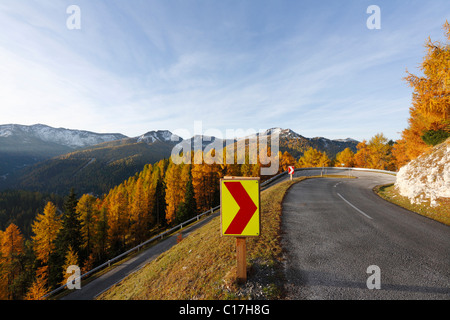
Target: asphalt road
{"x":94,"y":288}
{"x":334,"y":229}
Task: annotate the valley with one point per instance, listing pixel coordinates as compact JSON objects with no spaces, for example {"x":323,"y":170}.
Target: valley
{"x":46,"y":159}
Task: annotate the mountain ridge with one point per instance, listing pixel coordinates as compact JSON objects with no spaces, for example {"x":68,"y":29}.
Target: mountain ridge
{"x":56,"y":167}
{"x":77,"y":139}
{"x":72,"y":138}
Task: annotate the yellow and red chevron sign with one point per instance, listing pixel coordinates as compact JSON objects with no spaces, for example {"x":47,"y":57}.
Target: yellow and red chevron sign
{"x":240,"y":207}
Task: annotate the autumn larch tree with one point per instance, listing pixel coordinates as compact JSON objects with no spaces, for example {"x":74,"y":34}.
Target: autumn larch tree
{"x":11,"y":251}
{"x":39,"y":288}
{"x":429,"y":120}
{"x":45,"y":228}
{"x":86,"y":210}
{"x":70,"y":259}
{"x":380,"y":155}
{"x":176,"y":178}
{"x":314,"y":158}
{"x":286,"y":160}
{"x":205,"y":179}
{"x":362,"y":155}
{"x":118,"y":220}
{"x":139,"y":212}
{"x":345,"y":158}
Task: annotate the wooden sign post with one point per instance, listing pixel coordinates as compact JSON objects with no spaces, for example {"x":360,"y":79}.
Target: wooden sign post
{"x":241,"y":259}
{"x":240,"y":215}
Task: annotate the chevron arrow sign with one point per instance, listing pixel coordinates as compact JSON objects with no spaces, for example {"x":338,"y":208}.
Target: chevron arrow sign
{"x":240,"y":207}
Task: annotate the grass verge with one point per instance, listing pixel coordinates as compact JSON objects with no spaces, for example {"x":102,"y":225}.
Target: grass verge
{"x":203,"y":265}
{"x":440,"y":213}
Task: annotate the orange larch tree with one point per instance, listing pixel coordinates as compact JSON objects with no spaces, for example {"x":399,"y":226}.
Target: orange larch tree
{"x":362,"y":155}
{"x":118,"y":218}
{"x":175,"y":189}
{"x":11,"y":250}
{"x":430,"y":110}
{"x":87,"y":211}
{"x":45,"y":228}
{"x":139,"y":212}
{"x":345,"y":158}
{"x":286,"y":160}
{"x":313,"y":158}
{"x":70,"y":259}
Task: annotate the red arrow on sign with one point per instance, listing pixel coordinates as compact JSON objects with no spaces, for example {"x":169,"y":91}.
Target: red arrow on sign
{"x":291,"y":170}
{"x":246,"y":208}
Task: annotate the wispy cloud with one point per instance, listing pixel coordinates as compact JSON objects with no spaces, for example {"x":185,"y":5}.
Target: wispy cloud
{"x":137,"y":66}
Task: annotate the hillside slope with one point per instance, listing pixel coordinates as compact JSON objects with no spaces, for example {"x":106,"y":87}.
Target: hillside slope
{"x":203,"y":265}
{"x":427,"y":178}
{"x":22,"y":145}
{"x":98,"y":168}
{"x":94,"y":170}
{"x":297,"y":144}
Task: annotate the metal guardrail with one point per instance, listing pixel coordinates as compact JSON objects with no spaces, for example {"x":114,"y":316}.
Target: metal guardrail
{"x":159,"y":236}
{"x":285,"y":173}
{"x":197,"y":217}
{"x":274,"y":178}
{"x":349,"y":168}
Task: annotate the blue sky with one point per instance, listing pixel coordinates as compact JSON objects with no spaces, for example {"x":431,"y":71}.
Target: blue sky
{"x":136,"y":66}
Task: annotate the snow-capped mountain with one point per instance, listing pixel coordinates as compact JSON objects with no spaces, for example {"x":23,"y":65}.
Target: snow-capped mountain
{"x":297,"y":144}
{"x":43,"y":158}
{"x":160,"y":135}
{"x":283,"y":133}
{"x":65,"y":137}
{"x":345,"y":140}
{"x":290,"y":134}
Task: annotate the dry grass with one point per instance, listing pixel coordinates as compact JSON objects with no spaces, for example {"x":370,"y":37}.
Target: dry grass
{"x":439,"y":213}
{"x":202,"y":266}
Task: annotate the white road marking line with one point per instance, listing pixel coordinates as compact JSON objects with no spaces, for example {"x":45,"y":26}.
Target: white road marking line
{"x":355,"y":207}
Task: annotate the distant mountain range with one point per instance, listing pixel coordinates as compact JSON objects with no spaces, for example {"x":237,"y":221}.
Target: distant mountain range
{"x":43,"y":158}
{"x":21,"y":146}
{"x":297,"y":144}
{"x":56,"y":136}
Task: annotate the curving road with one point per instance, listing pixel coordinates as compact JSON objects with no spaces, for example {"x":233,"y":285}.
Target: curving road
{"x":334,"y":229}
{"x":99,"y":285}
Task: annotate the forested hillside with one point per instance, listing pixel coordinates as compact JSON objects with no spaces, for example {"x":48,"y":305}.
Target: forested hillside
{"x":101,"y":167}
{"x":86,"y":230}
{"x":22,"y":145}
{"x":21,"y":207}
{"x":94,"y":170}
